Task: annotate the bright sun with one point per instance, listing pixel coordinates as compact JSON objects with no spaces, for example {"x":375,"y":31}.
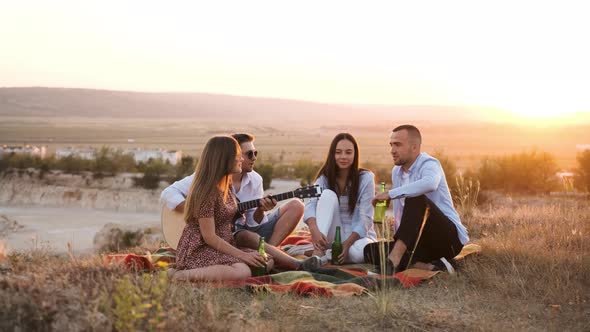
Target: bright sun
{"x":544,"y":108}
{"x":537,"y":111}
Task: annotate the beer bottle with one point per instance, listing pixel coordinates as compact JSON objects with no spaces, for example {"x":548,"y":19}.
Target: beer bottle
{"x":260,"y":271}
{"x":336,"y":247}
{"x":380,"y":208}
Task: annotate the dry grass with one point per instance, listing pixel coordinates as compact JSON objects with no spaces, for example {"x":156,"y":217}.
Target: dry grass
{"x":534,"y":274}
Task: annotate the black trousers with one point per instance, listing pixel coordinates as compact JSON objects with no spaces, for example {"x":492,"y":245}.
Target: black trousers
{"x":439,"y":236}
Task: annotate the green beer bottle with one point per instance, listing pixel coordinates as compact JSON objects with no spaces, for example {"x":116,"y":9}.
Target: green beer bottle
{"x":380,"y":208}
{"x":336,"y":247}
{"x":260,"y":271}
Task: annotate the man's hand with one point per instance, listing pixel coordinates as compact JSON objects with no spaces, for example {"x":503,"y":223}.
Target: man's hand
{"x":379,"y":197}
{"x":267,"y":203}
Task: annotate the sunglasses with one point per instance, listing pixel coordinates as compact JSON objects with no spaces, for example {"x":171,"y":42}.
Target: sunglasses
{"x":251,"y":154}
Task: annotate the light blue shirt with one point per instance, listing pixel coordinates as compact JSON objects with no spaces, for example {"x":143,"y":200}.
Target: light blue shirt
{"x":361,"y":220}
{"x":426,"y":178}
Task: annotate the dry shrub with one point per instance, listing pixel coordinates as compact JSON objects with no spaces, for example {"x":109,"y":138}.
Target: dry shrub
{"x":116,"y":238}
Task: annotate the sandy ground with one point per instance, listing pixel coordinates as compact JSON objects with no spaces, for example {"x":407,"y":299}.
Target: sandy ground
{"x":54,"y":227}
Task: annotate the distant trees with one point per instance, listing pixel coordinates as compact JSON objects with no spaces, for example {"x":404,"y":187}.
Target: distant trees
{"x":72,"y":164}
{"x":152,"y":173}
{"x":526,"y":172}
{"x":185,"y":167}
{"x":382,"y":173}
{"x":112,"y":161}
{"x":108,"y":162}
{"x":449,"y":167}
{"x":266,"y":171}
{"x":306,"y":170}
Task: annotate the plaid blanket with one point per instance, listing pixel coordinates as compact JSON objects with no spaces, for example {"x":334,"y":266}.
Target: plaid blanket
{"x":345,"y":280}
{"x":161,"y":258}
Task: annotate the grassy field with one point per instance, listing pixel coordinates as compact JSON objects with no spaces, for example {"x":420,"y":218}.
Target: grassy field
{"x":533,"y":275}
{"x":466,"y":144}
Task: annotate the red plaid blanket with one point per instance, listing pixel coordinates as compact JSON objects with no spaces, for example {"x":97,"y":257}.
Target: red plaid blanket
{"x":329,"y":281}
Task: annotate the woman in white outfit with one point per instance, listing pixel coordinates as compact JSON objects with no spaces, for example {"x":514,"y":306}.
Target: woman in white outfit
{"x":345,"y":201}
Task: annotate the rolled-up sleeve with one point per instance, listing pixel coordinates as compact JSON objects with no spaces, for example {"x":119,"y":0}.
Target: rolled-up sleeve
{"x":363,"y":216}
{"x":432,"y":174}
{"x":312,"y":203}
{"x":176,"y":193}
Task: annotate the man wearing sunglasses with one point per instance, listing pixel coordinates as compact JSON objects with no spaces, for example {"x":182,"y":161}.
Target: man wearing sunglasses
{"x":274,"y":226}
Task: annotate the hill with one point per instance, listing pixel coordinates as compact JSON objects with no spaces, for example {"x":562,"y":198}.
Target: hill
{"x":65,"y":102}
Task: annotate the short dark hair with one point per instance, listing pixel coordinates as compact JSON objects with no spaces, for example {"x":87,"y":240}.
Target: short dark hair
{"x":413,"y":132}
{"x":243,"y":137}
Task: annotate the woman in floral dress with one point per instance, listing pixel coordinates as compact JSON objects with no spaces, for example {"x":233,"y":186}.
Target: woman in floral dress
{"x":206,"y":250}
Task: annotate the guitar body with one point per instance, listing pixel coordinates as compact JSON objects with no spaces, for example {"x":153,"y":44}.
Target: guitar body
{"x":172,"y":226}
{"x":173,"y":222}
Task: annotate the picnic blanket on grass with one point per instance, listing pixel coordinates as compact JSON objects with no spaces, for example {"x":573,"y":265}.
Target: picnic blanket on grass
{"x":330,"y":280}
{"x":161,"y":258}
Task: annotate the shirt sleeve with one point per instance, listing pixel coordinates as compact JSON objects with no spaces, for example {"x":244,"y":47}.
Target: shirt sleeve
{"x":249,"y":214}
{"x":363,"y":216}
{"x":176,"y":193}
{"x":430,"y":176}
{"x":312,"y":203}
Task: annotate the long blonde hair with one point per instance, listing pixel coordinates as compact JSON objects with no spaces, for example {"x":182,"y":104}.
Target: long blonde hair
{"x":213,"y":172}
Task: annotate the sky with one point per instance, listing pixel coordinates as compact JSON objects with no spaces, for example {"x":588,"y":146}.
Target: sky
{"x":527,"y":60}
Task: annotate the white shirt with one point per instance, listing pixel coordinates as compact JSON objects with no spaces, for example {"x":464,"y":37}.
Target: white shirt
{"x":250,"y":189}
{"x":361,"y":220}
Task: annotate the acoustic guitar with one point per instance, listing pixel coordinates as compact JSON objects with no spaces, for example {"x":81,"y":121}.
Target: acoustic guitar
{"x":173,"y":222}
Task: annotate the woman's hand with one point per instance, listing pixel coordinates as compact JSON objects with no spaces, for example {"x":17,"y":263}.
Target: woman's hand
{"x":254,"y":259}
{"x":319,"y":240}
{"x":344,"y":255}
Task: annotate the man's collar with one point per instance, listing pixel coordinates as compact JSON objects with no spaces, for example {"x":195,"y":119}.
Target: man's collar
{"x":414,"y":164}
{"x":246,"y":178}
{"x":411,"y":169}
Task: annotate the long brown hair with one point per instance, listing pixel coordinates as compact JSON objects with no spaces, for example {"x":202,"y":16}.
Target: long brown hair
{"x":330,"y":170}
{"x":213,"y":172}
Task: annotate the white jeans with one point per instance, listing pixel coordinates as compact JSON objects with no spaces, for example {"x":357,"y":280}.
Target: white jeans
{"x":328,"y":217}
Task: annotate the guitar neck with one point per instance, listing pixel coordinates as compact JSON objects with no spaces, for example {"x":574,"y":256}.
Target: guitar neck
{"x":243,"y":206}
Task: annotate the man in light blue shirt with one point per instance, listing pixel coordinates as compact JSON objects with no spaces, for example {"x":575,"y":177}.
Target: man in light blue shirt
{"x":420,"y":190}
